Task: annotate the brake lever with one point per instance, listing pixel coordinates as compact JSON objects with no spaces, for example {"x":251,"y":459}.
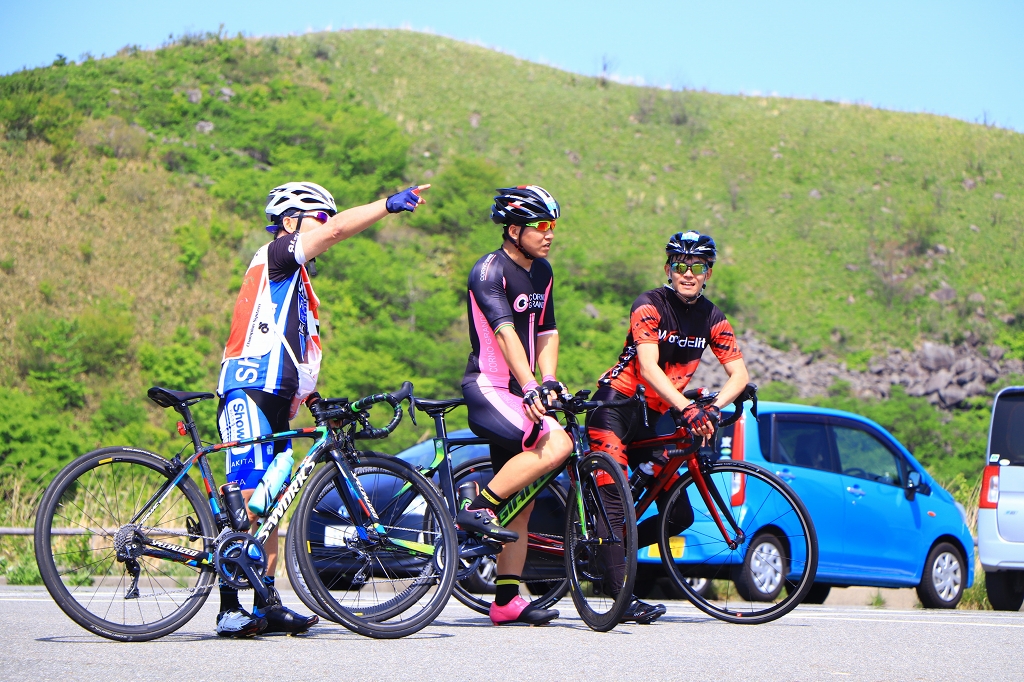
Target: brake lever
{"x":412,"y":409}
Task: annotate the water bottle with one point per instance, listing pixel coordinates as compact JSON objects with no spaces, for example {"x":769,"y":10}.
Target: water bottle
{"x":467,"y":493}
{"x":235,"y":505}
{"x":638,"y":481}
{"x":272,"y":482}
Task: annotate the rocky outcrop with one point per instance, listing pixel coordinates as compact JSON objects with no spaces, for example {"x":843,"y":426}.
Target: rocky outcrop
{"x":942,"y":374}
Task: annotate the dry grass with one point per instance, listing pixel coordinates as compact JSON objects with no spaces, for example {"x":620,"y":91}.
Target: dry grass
{"x":102,"y":228}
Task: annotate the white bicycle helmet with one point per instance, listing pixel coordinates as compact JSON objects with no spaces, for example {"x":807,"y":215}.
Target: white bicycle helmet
{"x":297,"y":196}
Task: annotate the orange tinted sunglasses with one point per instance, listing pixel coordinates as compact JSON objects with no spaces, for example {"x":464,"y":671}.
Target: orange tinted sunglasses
{"x":543,"y":225}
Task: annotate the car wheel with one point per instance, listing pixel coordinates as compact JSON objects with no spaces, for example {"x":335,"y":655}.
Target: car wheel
{"x":817,"y":594}
{"x":701,"y":586}
{"x":1005,"y":590}
{"x":762,"y":575}
{"x":942,"y":582}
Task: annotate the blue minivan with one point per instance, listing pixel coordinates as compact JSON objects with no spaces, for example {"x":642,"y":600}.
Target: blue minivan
{"x":881,"y":520}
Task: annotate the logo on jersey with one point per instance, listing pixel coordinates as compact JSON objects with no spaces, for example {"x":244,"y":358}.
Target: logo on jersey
{"x":682,"y":341}
{"x":521,"y":303}
{"x":487,"y":264}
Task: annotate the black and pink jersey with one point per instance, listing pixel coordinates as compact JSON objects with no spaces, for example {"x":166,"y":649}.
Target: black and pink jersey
{"x":502,"y":293}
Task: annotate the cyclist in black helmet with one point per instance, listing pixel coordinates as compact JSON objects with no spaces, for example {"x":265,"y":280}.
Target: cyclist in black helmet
{"x":513,"y":335}
{"x":670,"y":327}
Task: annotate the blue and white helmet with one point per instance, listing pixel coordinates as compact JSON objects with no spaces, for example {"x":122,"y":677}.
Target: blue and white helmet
{"x":692,"y":243}
{"x":301,"y":196}
{"x":523,"y":204}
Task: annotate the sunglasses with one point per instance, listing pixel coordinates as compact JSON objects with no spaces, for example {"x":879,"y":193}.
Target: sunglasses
{"x":542,"y":225}
{"x":695,"y":268}
{"x":320,"y":216}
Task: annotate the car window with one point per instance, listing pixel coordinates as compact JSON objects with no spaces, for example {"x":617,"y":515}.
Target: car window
{"x":764,"y":436}
{"x":802,"y":444}
{"x":864,"y":456}
{"x":1008,"y":429}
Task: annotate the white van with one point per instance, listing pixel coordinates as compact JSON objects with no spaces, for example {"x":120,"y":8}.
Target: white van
{"x":1001,"y":509}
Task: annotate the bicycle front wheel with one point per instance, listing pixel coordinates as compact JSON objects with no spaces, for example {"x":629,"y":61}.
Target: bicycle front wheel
{"x":757,"y":580}
{"x":600,"y":542}
{"x":383,"y":582}
{"x":88,"y":511}
{"x":544,"y":570}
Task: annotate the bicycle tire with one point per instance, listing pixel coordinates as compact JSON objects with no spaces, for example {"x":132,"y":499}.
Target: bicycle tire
{"x":774,"y":517}
{"x":544,"y":571}
{"x":600,"y":603}
{"x":341,"y":568}
{"x":295,"y":577}
{"x":78,"y":516}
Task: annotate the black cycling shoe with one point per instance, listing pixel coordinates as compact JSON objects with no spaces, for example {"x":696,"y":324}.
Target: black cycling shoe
{"x":642,"y":612}
{"x":282,"y":619}
{"x":239,"y":623}
{"x":484,"y":522}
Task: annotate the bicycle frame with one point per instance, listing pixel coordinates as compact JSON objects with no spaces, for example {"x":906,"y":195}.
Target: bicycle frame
{"x":513,"y":506}
{"x":353,"y":495}
{"x":689,"y":456}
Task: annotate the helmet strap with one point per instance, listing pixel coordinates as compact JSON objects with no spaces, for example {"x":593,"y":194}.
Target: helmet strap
{"x":515,"y":242}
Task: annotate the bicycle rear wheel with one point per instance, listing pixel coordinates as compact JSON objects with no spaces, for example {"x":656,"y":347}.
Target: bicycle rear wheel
{"x":544,"y":571}
{"x":760,"y":579}
{"x":383,"y":585}
{"x":87,"y":509}
{"x":600,"y":542}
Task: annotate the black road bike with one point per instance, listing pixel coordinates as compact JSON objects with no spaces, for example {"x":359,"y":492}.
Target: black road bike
{"x":129,"y":546}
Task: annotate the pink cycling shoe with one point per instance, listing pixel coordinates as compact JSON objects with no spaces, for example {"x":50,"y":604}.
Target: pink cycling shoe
{"x":521,"y":611}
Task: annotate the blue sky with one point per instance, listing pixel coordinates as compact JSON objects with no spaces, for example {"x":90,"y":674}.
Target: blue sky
{"x":962,"y":59}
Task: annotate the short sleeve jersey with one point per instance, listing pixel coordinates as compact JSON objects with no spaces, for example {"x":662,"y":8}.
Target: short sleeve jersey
{"x":502,"y":293}
{"x":275,"y":372}
{"x":681,"y":331}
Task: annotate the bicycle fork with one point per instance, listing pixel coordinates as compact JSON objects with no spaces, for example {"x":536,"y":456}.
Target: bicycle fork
{"x":713,"y":499}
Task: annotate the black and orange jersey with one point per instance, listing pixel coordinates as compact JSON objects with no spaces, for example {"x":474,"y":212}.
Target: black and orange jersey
{"x":681,"y":331}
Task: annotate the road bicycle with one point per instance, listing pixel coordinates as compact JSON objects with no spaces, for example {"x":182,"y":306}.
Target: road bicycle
{"x":129,"y":546}
{"x":751,"y":552}
{"x":573,"y":532}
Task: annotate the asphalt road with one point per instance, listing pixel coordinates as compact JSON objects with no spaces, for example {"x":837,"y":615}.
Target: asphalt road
{"x":38,"y":642}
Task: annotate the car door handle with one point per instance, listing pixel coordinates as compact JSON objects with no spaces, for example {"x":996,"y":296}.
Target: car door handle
{"x":785,"y":475}
{"x":855,"y":490}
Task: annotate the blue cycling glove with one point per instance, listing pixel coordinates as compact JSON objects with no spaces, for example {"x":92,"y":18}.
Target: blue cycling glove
{"x":406,"y":200}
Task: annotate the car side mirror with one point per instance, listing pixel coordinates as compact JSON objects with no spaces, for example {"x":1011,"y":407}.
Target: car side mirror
{"x":915,"y":485}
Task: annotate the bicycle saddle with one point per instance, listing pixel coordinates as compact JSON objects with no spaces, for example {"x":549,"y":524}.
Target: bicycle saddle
{"x":166,"y":398}
{"x":432,"y":407}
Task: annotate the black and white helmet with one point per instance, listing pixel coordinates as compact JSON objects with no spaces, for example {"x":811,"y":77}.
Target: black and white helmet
{"x":301,"y":196}
{"x":691,"y":244}
{"x":523,"y":204}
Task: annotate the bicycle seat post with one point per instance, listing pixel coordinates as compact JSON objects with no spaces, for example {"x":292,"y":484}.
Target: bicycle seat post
{"x":189,"y":422}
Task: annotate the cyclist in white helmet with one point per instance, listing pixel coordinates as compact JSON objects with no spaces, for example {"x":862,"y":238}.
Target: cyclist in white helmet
{"x":272,"y":359}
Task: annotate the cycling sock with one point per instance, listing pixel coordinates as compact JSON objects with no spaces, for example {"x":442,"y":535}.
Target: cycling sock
{"x":228,"y":598}
{"x":486,"y":500}
{"x":506,"y":588}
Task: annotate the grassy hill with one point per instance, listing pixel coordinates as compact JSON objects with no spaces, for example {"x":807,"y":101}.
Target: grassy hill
{"x":133,"y":189}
